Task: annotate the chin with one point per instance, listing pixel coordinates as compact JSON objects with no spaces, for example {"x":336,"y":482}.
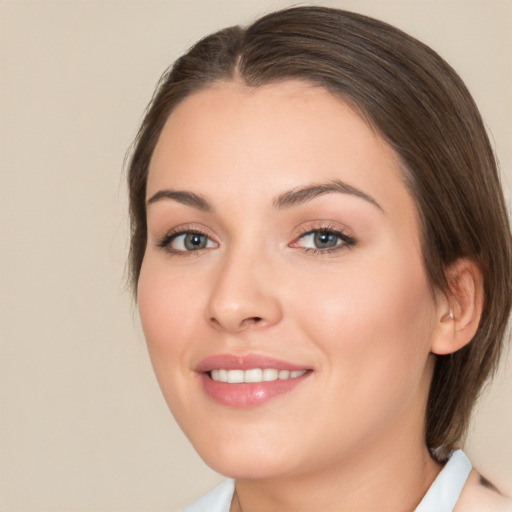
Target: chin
{"x":250,"y":458}
{"x":241,"y":468}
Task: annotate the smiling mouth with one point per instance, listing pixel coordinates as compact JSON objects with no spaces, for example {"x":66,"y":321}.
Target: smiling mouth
{"x":253,"y":375}
{"x":249,"y":380}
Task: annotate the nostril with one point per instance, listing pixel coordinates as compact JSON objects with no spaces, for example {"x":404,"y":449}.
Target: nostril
{"x":238,"y":326}
{"x":250,"y":321}
{"x":245,"y":321}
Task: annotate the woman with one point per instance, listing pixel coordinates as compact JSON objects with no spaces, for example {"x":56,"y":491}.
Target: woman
{"x":321,"y":255}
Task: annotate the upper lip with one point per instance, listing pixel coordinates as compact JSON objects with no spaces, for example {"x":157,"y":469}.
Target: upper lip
{"x":245,"y":362}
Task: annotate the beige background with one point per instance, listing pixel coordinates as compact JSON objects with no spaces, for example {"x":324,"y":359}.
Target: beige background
{"x":82,"y":424}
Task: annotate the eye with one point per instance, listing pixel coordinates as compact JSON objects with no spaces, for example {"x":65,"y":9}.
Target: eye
{"x":320,"y":240}
{"x":184,"y":242}
{"x":323,"y":240}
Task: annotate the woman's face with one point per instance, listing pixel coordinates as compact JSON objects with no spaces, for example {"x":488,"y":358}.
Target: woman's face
{"x":283,"y":245}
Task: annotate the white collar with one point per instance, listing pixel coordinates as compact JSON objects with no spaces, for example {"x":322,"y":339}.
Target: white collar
{"x":447,"y":487}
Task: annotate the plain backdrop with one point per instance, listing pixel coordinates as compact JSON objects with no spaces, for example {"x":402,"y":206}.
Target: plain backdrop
{"x":83,"y":426}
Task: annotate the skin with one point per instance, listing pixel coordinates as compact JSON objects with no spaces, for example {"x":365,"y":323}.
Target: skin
{"x":361,"y":317}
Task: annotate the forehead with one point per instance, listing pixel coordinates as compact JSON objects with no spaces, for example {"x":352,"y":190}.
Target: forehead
{"x":256,"y":141}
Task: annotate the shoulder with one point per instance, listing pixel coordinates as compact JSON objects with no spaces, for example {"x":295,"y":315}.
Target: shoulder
{"x":480,"y":495}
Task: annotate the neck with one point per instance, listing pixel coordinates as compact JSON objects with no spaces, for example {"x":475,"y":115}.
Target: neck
{"x":385,"y":480}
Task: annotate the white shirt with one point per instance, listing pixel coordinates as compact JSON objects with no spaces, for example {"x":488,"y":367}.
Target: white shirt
{"x":442,"y":495}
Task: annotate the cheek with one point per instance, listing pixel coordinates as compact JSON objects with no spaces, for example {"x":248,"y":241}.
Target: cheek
{"x":171,"y":312}
{"x":372,"y":318}
{"x":168,"y":307}
{"x":373,"y":330}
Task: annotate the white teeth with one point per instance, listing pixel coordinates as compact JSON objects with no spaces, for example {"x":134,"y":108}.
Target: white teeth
{"x":254,"y":375}
{"x":284,"y":374}
{"x":236,"y":376}
{"x":270,"y":374}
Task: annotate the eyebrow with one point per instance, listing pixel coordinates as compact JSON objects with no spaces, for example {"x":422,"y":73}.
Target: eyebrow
{"x":287,"y":199}
{"x":301,"y":195}
{"x":187,"y":198}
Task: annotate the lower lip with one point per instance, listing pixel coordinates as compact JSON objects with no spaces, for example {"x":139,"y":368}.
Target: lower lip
{"x":245,"y":395}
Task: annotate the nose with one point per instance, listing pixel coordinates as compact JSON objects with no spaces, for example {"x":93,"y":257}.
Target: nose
{"x":244,"y":296}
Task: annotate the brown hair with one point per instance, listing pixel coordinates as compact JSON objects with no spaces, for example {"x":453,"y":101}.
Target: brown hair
{"x":421,"y":107}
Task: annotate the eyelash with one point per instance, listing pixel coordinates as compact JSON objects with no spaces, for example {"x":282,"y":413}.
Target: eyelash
{"x":165,"y":242}
{"x":346,"y":240}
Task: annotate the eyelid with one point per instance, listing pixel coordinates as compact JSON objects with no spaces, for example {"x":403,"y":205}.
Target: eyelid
{"x":164,"y":241}
{"x":337,"y":230}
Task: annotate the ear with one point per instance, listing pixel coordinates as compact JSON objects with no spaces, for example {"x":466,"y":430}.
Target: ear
{"x":459,"y":308}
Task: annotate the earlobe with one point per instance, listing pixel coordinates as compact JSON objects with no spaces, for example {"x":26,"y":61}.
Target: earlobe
{"x":460,"y":310}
